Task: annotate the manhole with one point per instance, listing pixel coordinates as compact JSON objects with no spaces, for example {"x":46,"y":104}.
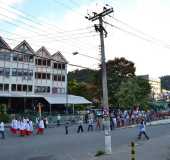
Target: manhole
{"x":48,"y":157}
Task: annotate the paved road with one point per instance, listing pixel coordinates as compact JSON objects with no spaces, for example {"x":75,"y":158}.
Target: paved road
{"x":55,"y":145}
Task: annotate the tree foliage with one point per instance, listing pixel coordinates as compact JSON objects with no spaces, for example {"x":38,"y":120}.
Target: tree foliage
{"x":118,"y":71}
{"x":133,"y":92}
{"x":124,"y":88}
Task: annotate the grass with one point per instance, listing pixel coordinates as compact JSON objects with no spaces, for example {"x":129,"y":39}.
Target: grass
{"x":99,"y":153}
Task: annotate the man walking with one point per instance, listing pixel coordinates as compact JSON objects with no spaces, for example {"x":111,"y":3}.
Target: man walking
{"x":90,"y":125}
{"x":142,"y":130}
{"x":2,"y":130}
{"x":80,"y":126}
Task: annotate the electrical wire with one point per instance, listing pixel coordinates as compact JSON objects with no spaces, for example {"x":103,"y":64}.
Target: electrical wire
{"x":135,"y":35}
{"x":140,"y":32}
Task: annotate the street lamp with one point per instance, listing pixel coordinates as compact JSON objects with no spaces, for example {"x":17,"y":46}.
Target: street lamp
{"x":76,"y":53}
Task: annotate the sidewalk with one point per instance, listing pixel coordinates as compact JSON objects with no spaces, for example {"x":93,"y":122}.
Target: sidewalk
{"x":154,"y":149}
{"x":153,"y":123}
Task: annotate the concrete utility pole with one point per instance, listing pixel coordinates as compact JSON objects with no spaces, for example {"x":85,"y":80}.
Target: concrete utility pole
{"x":101,"y":29}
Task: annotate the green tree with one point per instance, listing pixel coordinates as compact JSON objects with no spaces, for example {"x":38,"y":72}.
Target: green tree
{"x":133,"y":92}
{"x":118,"y":71}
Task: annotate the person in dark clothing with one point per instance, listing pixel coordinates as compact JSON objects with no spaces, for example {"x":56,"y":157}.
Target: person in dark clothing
{"x":66,"y":127}
{"x":80,"y":126}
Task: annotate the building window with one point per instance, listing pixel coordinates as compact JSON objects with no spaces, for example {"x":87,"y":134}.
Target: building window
{"x":6,"y":87}
{"x":6,"y":72}
{"x":59,"y":66}
{"x":13,"y":87}
{"x":25,"y":72}
{"x":15,"y":57}
{"x":42,"y":89}
{"x":39,"y":75}
{"x":31,"y":58}
{"x":59,"y":77}
{"x":14,"y":72}
{"x":44,"y":62}
{"x":48,"y":63}
{"x":63,"y":66}
{"x":1,"y":87}
{"x":1,"y":71}
{"x":29,"y":88}
{"x":19,"y":72}
{"x":20,"y":57}
{"x":24,"y":87}
{"x":19,"y":87}
{"x":43,"y":75}
{"x":48,"y":75}
{"x":39,"y":62}
{"x":55,"y":65}
{"x":63,"y":78}
{"x":5,"y":56}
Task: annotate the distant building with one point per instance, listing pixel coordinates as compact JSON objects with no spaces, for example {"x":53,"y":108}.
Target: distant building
{"x":155,"y":86}
{"x":28,"y":78}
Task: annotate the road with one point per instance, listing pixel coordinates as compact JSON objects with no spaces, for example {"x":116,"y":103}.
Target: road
{"x":55,"y":145}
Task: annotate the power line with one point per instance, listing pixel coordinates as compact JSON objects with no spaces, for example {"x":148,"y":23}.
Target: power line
{"x":54,"y":39}
{"x":135,"y":35}
{"x":139,"y":31}
{"x":33,"y":26}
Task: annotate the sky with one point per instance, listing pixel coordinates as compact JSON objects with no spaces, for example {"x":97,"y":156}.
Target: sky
{"x":139,"y":30}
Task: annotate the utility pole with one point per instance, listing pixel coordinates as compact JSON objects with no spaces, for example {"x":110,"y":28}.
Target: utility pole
{"x":101,"y":29}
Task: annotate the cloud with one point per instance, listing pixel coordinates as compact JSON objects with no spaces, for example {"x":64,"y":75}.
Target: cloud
{"x":5,"y":10}
{"x":148,"y":16}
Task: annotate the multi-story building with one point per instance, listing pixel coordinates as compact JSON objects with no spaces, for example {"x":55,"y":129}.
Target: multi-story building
{"x":155,"y":86}
{"x":28,"y":77}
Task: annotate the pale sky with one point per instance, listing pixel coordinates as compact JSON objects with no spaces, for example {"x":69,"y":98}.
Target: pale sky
{"x":61,"y":26}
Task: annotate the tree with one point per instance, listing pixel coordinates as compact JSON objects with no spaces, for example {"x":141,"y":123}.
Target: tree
{"x":118,"y":71}
{"x":133,"y":92}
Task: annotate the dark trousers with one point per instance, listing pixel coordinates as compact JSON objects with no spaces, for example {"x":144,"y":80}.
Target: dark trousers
{"x":80,"y":127}
{"x":66,"y":129}
{"x":2,"y":134}
{"x":58,"y":122}
{"x":90,"y":127}
{"x":144,"y":133}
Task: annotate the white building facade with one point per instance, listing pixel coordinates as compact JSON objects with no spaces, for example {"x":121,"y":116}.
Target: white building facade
{"x":23,"y":71}
{"x":28,"y":78}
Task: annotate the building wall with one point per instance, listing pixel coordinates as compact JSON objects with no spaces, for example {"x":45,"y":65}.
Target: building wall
{"x":26,"y":77}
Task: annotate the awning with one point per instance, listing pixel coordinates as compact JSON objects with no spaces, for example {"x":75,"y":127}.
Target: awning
{"x":66,"y":99}
{"x":51,"y":99}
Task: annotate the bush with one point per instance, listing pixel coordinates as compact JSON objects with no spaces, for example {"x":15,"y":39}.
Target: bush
{"x":5,"y":118}
{"x":99,"y":153}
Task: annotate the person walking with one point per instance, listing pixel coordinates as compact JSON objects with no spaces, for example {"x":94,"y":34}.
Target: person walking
{"x":2,"y":130}
{"x":90,"y":125}
{"x":80,"y":126}
{"x":66,"y":127}
{"x":40,"y":129}
{"x":58,"y":119}
{"x":142,"y":130}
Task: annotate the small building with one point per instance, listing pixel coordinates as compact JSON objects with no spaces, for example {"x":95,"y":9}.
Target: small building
{"x":29,"y":78}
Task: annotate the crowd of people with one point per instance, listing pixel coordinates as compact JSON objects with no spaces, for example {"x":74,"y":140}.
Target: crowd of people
{"x":25,"y":127}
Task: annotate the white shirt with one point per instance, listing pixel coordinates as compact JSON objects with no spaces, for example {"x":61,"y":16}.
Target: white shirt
{"x":41,"y":124}
{"x":14,"y":124}
{"x":22,"y":126}
{"x":2,"y":126}
{"x":28,"y":128}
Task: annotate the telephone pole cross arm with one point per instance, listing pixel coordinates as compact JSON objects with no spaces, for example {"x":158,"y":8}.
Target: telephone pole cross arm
{"x":101,"y":29}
